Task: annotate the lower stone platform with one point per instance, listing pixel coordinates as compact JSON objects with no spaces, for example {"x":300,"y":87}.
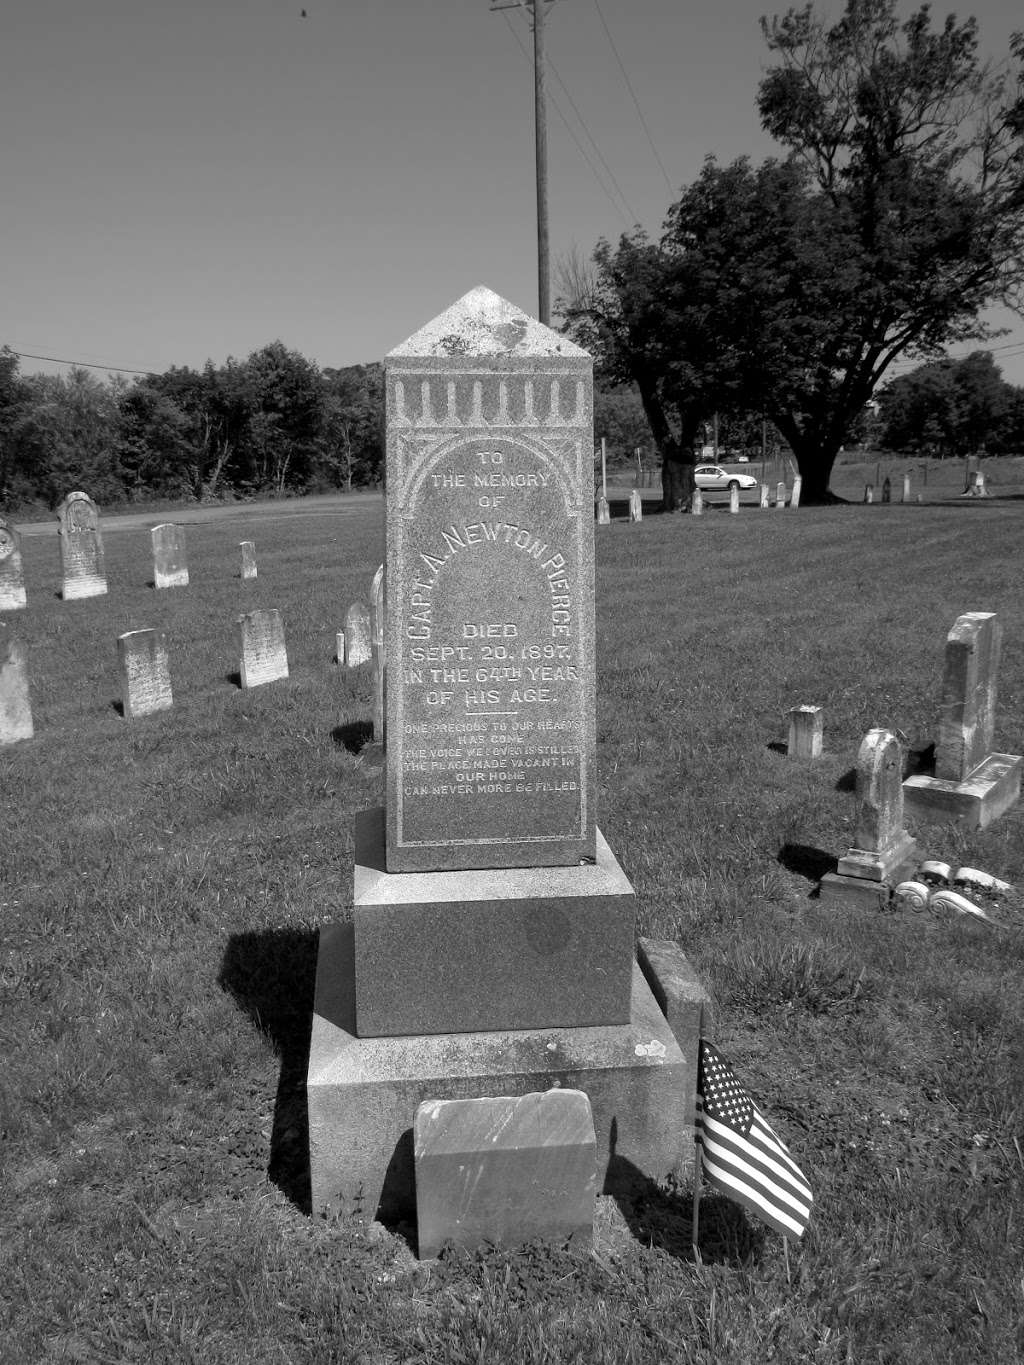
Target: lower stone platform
{"x":988,"y":792}
{"x":853,"y":893}
{"x":363,"y":1093}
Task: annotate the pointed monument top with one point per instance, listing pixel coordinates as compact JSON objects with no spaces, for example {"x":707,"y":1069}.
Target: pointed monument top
{"x":483,"y":323}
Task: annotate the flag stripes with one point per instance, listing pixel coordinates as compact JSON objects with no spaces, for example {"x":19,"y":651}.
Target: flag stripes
{"x":742,"y":1155}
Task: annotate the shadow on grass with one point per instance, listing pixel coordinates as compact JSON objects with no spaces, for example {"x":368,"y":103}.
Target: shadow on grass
{"x":272,"y":976}
{"x":807,"y":861}
{"x":847,"y":782}
{"x":356,"y":736}
{"x":234,"y":678}
{"x":664,"y":1219}
{"x":778,"y":747}
{"x":118,"y":706}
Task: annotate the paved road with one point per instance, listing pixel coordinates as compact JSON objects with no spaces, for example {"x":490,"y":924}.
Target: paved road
{"x":344,"y":505}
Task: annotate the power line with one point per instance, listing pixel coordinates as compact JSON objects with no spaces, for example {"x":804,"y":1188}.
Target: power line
{"x":79,"y":364}
{"x":571,"y":131}
{"x":636,"y":102}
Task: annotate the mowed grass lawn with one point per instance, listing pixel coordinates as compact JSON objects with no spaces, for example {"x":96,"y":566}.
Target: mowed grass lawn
{"x":163,"y":881}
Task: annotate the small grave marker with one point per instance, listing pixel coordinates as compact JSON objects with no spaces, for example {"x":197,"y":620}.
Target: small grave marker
{"x":170,"y":556}
{"x":887,"y":489}
{"x":780,"y":495}
{"x":248,"y":549}
{"x":906,"y":487}
{"x":734,"y":499}
{"x":12,"y":574}
{"x":883,"y":853}
{"x":766,"y":495}
{"x":358,"y":635}
{"x":81,"y":547}
{"x":806,"y":729}
{"x":604,"y":515}
{"x":636,"y":506}
{"x":339,"y":648}
{"x":697,"y":503}
{"x":145,"y":675}
{"x":264,"y":658}
{"x":505,"y":1170}
{"x":869,"y":492}
{"x":798,"y":483}
{"x":15,"y":704}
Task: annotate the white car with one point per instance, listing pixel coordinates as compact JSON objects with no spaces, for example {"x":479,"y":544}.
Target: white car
{"x":714,"y":476}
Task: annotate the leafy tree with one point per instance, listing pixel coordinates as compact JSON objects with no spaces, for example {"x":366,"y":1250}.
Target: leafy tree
{"x":155,"y":448}
{"x":66,"y":435}
{"x":951,"y":407}
{"x":620,"y":418}
{"x":284,"y":396}
{"x":353,"y":443}
{"x":792,"y":288}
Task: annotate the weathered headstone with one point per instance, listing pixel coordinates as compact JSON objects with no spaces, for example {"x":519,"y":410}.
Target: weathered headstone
{"x":697,"y":503}
{"x":798,"y":483}
{"x":806,"y":729}
{"x":971,"y":783}
{"x":490,"y":624}
{"x":766,"y":495}
{"x":505,"y":1171}
{"x":491,"y":947}
{"x":379,"y":656}
{"x":887,"y":489}
{"x":734,"y":499}
{"x":170,"y":556}
{"x":979,"y":485}
{"x":145,"y":674}
{"x":906,"y":487}
{"x":636,"y":506}
{"x":339,"y":648}
{"x":883,"y":853}
{"x":780,"y":494}
{"x":869,"y":492}
{"x":15,"y":704}
{"x":264,"y":658}
{"x":604,"y":515}
{"x":12,"y":573}
{"x":81,"y":547}
{"x":248,"y":550}
{"x":358,"y":635}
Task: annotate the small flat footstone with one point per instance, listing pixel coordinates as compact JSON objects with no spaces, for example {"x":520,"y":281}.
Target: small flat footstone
{"x":505,"y":1170}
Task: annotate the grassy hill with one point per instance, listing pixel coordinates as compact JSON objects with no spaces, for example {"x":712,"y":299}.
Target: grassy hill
{"x":162,"y":881}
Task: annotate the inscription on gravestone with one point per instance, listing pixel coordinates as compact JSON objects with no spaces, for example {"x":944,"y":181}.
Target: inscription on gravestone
{"x":490,"y":613}
{"x":12,"y":575}
{"x":145,"y":675}
{"x":264,"y":658}
{"x":81,"y":547}
{"x":170,"y":558}
{"x":15,"y":705}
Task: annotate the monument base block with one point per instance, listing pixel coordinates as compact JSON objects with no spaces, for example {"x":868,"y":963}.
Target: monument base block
{"x":460,"y":952}
{"x":83,"y":587}
{"x":890,"y":864}
{"x":853,"y":893}
{"x":363,"y":1093}
{"x":988,"y":792}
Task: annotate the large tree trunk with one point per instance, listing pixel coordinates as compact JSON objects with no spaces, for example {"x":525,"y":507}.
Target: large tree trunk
{"x":677,"y":465}
{"x":815,"y":455}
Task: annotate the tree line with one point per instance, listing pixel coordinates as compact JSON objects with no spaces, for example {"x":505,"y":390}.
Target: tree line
{"x":273,"y":423}
{"x":788,"y":290}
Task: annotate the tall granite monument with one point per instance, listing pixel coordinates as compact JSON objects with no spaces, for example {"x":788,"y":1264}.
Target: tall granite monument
{"x":491,"y":950}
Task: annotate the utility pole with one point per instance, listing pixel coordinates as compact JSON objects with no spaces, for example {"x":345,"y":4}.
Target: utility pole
{"x":540,"y":121}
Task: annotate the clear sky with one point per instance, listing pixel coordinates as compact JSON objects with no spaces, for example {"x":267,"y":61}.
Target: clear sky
{"x":190,"y":179}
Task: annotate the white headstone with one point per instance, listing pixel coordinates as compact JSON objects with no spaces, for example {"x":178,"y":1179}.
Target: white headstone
{"x":12,"y":574}
{"x":806,"y":727}
{"x":734,"y":499}
{"x":798,"y":483}
{"x":339,"y":649}
{"x":358,"y":635}
{"x":869,"y":492}
{"x":264,"y":659}
{"x":766,"y":495}
{"x":906,"y":487}
{"x":15,"y":706}
{"x":636,"y":506}
{"x":377,"y":608}
{"x":780,"y":495}
{"x":170,"y":557}
{"x":697,"y":505}
{"x":81,"y":547}
{"x":248,"y":550}
{"x":145,"y":676}
{"x":603,"y":515}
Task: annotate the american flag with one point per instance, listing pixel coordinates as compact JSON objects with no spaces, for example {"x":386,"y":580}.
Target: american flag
{"x":741,"y":1155}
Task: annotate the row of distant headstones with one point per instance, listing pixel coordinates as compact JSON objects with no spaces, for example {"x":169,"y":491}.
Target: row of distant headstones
{"x":145,"y":672}
{"x":83,"y":566}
